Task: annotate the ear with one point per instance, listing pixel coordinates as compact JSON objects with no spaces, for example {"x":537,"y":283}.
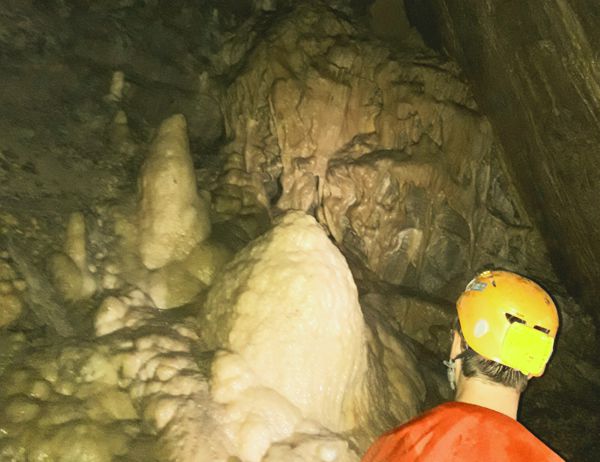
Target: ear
{"x":456,"y":348}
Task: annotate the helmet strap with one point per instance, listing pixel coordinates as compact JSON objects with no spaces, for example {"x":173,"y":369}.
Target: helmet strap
{"x":450,"y":371}
{"x":451,"y":368}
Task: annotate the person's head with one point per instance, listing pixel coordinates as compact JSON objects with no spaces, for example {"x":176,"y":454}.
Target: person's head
{"x":505,"y":329}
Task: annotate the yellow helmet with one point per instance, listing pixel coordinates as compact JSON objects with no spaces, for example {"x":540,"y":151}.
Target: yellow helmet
{"x":509,"y":319}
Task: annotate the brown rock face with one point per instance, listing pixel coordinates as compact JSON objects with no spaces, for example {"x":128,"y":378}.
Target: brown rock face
{"x":535,"y":72}
{"x":389,"y":151}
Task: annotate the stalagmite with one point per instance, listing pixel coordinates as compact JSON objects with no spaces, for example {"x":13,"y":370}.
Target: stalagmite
{"x":117,"y":85}
{"x":71,"y":275}
{"x":75,"y":248}
{"x":120,"y":134}
{"x":172,"y":216}
{"x":286,"y":314}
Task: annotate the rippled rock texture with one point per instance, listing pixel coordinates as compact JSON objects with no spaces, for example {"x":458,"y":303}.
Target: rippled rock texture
{"x":387,"y":149}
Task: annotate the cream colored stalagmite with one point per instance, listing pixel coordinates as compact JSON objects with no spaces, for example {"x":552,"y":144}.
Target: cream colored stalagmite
{"x":293,"y":359}
{"x":69,"y":269}
{"x":172,"y":216}
{"x":75,"y":247}
{"x":164,"y":247}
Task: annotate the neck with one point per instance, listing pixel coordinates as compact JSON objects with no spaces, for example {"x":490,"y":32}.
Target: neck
{"x":473,"y":390}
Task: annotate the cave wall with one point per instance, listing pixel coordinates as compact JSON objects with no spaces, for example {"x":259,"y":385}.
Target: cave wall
{"x":534,"y":70}
{"x":387,"y":149}
{"x":107,"y":330}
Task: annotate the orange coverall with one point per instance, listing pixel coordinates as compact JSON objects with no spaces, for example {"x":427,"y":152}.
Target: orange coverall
{"x":460,"y":432}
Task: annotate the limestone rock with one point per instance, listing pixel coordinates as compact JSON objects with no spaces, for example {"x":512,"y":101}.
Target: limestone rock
{"x":172,"y":216}
{"x":380,"y":208}
{"x":331,"y":96}
{"x":426,"y":322}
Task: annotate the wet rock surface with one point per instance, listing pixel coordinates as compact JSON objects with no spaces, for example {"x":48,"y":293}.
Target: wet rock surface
{"x":534,"y":70}
{"x":105,"y":324}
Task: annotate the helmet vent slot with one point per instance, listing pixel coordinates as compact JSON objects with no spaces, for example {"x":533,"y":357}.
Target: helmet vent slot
{"x":512,"y":318}
{"x":542,"y":329}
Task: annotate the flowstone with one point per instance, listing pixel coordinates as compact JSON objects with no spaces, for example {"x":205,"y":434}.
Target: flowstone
{"x":280,"y":365}
{"x":387,"y":149}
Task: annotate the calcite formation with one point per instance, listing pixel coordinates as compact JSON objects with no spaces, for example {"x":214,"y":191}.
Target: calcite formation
{"x":297,"y":368}
{"x":64,"y":404}
{"x":163,"y":246}
{"x":172,"y":216}
{"x":117,"y":86}
{"x":76,"y":248}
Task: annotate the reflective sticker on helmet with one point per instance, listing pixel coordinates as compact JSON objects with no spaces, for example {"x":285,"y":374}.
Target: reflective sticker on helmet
{"x":476,"y":285}
{"x":526,"y":349}
{"x":481,"y":328}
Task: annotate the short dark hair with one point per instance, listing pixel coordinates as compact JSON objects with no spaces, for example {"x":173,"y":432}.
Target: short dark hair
{"x":475,"y":365}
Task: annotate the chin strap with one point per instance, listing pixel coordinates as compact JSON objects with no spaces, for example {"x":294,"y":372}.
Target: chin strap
{"x":451,"y":368}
